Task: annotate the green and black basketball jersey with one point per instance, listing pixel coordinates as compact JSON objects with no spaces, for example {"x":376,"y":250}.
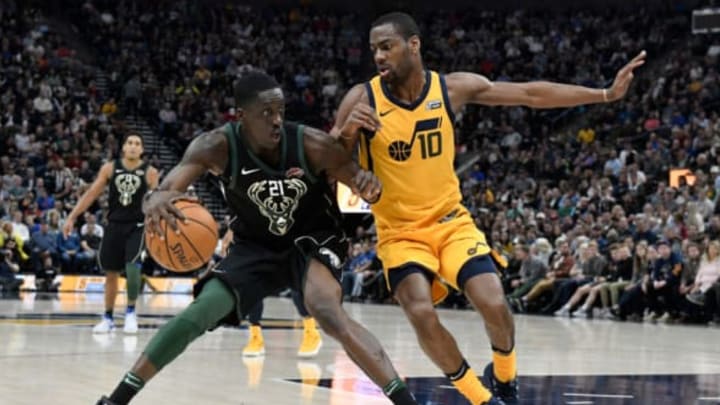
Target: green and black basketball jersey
{"x":276,"y":205}
{"x":127,"y":188}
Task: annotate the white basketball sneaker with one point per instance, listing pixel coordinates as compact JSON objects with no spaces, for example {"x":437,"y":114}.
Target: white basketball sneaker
{"x":131,"y":324}
{"x":105,"y":326}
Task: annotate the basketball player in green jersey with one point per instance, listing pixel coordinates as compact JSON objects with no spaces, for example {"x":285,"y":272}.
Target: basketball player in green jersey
{"x":286,"y":233}
{"x":128,"y":178}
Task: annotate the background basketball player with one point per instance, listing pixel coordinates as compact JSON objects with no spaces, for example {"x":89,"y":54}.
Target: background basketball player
{"x":129,"y":178}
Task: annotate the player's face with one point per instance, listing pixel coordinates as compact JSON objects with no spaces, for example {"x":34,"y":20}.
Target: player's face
{"x":392,"y":53}
{"x":263,"y":118}
{"x":132,"y":148}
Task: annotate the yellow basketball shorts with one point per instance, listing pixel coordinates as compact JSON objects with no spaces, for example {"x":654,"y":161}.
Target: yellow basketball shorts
{"x":442,"y":249}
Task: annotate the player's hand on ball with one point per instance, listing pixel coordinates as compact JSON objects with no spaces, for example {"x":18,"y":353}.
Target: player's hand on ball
{"x":361,"y":116}
{"x":624,"y":77}
{"x":159,"y":206}
{"x":367,"y":186}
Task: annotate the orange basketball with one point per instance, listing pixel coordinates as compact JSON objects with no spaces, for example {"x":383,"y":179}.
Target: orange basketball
{"x":192,"y":247}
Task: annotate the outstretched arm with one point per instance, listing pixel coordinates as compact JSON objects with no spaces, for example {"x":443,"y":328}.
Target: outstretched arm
{"x":470,"y":88}
{"x":326,"y":154}
{"x":208,"y":152}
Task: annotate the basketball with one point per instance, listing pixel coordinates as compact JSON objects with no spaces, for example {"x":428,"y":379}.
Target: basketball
{"x":192,"y":246}
{"x":400,"y":150}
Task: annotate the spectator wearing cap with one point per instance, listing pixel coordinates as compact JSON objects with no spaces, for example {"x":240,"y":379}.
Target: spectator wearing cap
{"x":663,"y":291}
{"x":44,"y":243}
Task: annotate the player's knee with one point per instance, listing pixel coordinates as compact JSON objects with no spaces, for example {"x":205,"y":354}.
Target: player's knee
{"x":501,"y":308}
{"x":422,"y":314}
{"x":497,"y":304}
{"x":328,"y":314}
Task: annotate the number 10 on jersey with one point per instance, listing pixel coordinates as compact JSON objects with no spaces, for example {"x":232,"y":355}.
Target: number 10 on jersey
{"x":430,"y":144}
{"x":428,"y":133}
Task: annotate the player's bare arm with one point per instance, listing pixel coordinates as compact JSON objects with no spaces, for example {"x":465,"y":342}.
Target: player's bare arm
{"x":207,"y":153}
{"x":326,"y":154}
{"x":471,"y":88}
{"x":353,"y":115}
{"x":88,"y":198}
{"x":152,"y":177}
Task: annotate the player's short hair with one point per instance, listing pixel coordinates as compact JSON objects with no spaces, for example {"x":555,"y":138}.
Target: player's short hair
{"x":129,"y":134}
{"x":404,"y":24}
{"x":251,"y":84}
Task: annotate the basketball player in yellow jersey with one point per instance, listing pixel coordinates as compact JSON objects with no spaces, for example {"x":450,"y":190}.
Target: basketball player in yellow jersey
{"x":403,"y":121}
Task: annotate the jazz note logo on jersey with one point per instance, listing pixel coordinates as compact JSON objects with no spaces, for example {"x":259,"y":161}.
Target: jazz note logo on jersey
{"x":277,"y":201}
{"x":428,"y":133}
{"x":127,"y":184}
{"x":474,"y":250}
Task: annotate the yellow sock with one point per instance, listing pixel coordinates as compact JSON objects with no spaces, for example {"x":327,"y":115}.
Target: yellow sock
{"x":309,"y":324}
{"x":504,"y":366}
{"x":470,"y":386}
{"x":255,"y":330}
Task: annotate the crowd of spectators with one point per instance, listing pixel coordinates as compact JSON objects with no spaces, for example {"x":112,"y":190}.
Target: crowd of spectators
{"x":580,"y":201}
{"x":56,"y":131}
{"x":607,"y":191}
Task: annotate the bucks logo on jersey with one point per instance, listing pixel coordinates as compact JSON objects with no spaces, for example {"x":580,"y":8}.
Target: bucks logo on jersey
{"x":277,"y":201}
{"x":127,"y":185}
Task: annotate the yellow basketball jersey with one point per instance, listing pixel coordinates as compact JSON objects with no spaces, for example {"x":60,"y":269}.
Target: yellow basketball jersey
{"x":412,"y":154}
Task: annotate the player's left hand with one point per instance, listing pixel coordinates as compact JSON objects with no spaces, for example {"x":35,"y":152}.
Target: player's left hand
{"x":159,"y":205}
{"x":624,"y":77}
{"x":367,"y":186}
